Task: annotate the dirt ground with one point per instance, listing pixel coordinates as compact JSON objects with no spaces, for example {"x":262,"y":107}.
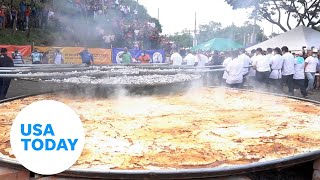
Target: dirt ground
{"x":300,"y":172}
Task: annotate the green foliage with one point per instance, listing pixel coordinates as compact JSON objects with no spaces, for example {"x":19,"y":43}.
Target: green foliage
{"x":184,"y":39}
{"x":238,"y":34}
{"x":39,"y":37}
{"x":212,"y":30}
{"x":280,"y":12}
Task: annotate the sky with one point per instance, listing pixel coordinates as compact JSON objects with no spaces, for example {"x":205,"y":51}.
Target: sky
{"x":176,"y":15}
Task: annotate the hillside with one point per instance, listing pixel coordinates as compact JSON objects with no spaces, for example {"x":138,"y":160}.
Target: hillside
{"x":86,"y":23}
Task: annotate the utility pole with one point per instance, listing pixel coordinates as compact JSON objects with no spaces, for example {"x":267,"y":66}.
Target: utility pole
{"x":254,"y":33}
{"x":195,"y":43}
{"x":159,"y":14}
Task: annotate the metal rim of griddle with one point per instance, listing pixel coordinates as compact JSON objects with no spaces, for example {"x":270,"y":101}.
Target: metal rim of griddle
{"x":182,"y":173}
{"x":56,"y":68}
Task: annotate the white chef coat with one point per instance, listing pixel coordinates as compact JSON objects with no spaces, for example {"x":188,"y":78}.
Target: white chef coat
{"x":269,"y":56}
{"x":252,"y":72}
{"x":235,"y":71}
{"x":288,"y":64}
{"x":202,"y":60}
{"x":312,"y":64}
{"x":225,"y":65}
{"x":262,"y":63}
{"x":299,"y":68}
{"x":190,"y":59}
{"x":276,"y":66}
{"x":246,"y":63}
{"x":176,"y":59}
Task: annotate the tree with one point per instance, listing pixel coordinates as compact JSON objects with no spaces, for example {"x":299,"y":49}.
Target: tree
{"x":242,"y":34}
{"x":183,"y":39}
{"x":208,"y":31}
{"x":280,"y":12}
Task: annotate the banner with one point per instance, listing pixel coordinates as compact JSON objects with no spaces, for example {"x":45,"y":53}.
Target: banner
{"x":24,"y":50}
{"x":72,"y":54}
{"x":157,"y":56}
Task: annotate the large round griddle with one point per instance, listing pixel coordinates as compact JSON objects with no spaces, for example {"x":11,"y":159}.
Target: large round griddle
{"x":182,"y":173}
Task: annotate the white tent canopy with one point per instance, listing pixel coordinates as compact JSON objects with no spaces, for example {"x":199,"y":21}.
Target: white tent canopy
{"x":294,"y":40}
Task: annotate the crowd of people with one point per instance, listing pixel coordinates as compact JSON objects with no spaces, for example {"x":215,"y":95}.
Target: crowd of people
{"x":19,"y":17}
{"x":271,"y":69}
{"x":118,"y":23}
{"x":124,"y":27}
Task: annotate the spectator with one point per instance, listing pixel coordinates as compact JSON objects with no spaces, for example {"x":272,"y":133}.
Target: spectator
{"x":45,"y":58}
{"x":144,"y":58}
{"x":126,"y":56}
{"x":5,"y":61}
{"x":87,"y":57}
{"x":311,"y":64}
{"x":20,"y":21}
{"x":215,"y":59}
{"x":14,"y":14}
{"x":2,"y":17}
{"x":44,"y":18}
{"x":36,"y":57}
{"x":23,"y":6}
{"x":58,"y":57}
{"x":27,"y":15}
{"x":17,"y":57}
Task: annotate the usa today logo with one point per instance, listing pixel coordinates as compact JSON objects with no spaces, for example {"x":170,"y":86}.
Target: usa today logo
{"x":47,"y":137}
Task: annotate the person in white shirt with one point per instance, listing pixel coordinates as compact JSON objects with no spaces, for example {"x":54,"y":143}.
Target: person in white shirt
{"x":262,"y":66}
{"x":201,"y":60}
{"x":276,"y":66}
{"x":58,"y":57}
{"x":288,"y":70}
{"x":190,"y":59}
{"x":299,"y":77}
{"x":235,"y":71}
{"x":269,"y":55}
{"x":225,"y":65}
{"x":176,"y":59}
{"x":247,"y":61}
{"x":311,"y":64}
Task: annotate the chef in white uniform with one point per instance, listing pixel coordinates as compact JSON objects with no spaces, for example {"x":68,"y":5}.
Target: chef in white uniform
{"x":225,"y":65}
{"x":235,"y":71}
{"x":176,"y":58}
{"x":201,"y":59}
{"x":276,"y":73}
{"x":262,"y":66}
{"x":287,"y":70}
{"x":190,"y":59}
{"x":299,"y":76}
{"x":247,"y":61}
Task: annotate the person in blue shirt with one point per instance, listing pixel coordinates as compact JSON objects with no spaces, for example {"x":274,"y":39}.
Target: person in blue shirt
{"x":87,"y":58}
{"x":36,"y":57}
{"x":23,"y":6}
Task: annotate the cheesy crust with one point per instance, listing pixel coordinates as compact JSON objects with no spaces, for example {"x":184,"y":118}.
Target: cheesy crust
{"x":198,"y":129}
